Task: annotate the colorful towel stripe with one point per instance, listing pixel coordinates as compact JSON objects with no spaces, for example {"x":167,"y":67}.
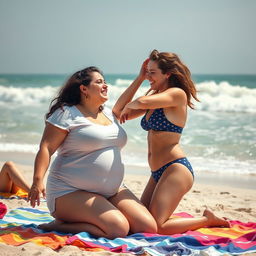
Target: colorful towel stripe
{"x":29,"y":233}
{"x":189,"y":243}
{"x":20,"y":193}
{"x":19,"y":226}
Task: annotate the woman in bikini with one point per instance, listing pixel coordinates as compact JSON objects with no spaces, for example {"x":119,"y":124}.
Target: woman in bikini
{"x":165,"y":112}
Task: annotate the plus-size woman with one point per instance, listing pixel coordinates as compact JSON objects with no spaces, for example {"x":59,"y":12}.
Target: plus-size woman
{"x":85,"y":190}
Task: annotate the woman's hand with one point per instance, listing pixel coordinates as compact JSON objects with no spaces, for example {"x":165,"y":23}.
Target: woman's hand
{"x":35,"y":192}
{"x":143,"y":70}
{"x":124,"y":116}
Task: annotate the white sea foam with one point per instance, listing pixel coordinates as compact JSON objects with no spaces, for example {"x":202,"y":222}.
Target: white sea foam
{"x":221,"y":97}
{"x":224,"y":97}
{"x":123,"y":82}
{"x":15,"y":147}
{"x":227,"y":165}
{"x":26,"y":96}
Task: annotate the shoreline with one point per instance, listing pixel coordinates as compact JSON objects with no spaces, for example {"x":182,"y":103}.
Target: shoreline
{"x":244,"y":181}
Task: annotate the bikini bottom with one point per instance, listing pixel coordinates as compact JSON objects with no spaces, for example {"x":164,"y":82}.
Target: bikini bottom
{"x":184,"y":161}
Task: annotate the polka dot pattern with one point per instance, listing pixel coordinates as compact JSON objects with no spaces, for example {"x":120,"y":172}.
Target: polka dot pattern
{"x":158,"y":122}
{"x":158,"y":173}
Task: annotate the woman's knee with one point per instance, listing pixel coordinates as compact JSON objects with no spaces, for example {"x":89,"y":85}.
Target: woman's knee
{"x":150,"y":225}
{"x":118,"y":226}
{"x":8,"y":165}
{"x":146,"y":225}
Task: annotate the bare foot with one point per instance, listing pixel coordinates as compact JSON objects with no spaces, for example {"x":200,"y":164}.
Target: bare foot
{"x":214,"y":221}
{"x":51,"y":226}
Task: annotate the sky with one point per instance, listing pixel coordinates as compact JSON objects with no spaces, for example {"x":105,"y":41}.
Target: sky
{"x":62,"y":36}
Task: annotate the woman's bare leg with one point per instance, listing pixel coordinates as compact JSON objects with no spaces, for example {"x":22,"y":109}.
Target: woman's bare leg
{"x":172,"y":186}
{"x":148,"y":192}
{"x":82,"y":211}
{"x":137,"y":214}
{"x":11,"y":179}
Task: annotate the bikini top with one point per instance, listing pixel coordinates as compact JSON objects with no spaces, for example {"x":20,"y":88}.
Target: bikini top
{"x":158,"y":122}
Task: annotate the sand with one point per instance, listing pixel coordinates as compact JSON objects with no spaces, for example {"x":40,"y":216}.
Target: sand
{"x":224,"y":198}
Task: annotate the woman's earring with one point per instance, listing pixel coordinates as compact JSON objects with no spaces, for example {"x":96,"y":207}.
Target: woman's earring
{"x":84,"y":91}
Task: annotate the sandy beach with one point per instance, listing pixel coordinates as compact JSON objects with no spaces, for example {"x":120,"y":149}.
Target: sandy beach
{"x":233,"y":202}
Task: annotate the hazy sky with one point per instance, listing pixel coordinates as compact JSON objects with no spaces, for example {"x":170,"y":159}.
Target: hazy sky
{"x":61,"y":36}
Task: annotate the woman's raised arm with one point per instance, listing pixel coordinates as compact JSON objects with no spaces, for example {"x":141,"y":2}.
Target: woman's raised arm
{"x":129,"y":93}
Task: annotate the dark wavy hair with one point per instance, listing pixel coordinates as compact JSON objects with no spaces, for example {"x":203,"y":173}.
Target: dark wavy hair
{"x":180,"y":75}
{"x":69,"y":94}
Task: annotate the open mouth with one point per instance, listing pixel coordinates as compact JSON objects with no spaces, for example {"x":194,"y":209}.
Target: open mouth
{"x":104,"y":92}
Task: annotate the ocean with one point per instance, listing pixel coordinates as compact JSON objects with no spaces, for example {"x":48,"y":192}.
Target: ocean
{"x":220,"y":135}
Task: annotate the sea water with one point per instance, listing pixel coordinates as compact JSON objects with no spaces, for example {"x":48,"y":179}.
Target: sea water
{"x":219,"y":137}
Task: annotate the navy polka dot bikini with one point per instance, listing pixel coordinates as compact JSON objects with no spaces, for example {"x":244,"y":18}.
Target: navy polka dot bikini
{"x":158,"y":122}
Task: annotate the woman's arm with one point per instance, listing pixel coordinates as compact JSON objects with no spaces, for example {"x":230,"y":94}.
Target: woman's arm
{"x":129,"y":93}
{"x":171,"y":97}
{"x":52,"y":138}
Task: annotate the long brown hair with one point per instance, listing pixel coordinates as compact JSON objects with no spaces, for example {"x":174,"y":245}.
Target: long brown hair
{"x":180,"y":75}
{"x":69,"y":94}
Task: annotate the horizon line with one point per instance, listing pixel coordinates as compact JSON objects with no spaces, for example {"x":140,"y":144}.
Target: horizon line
{"x":219,"y":74}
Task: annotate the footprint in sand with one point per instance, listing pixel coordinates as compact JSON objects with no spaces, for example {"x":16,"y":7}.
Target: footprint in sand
{"x":198,"y":210}
{"x":220,"y":206}
{"x":224,"y":193}
{"x":248,"y":210}
{"x":196,"y":191}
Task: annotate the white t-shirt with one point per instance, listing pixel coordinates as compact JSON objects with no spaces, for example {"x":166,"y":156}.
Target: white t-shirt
{"x":89,"y":159}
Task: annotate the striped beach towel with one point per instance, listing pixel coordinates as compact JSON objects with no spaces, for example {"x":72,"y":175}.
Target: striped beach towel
{"x":19,"y":226}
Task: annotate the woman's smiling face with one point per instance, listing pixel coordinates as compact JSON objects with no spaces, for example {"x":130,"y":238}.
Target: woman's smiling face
{"x":157,"y":80}
{"x":98,"y":87}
